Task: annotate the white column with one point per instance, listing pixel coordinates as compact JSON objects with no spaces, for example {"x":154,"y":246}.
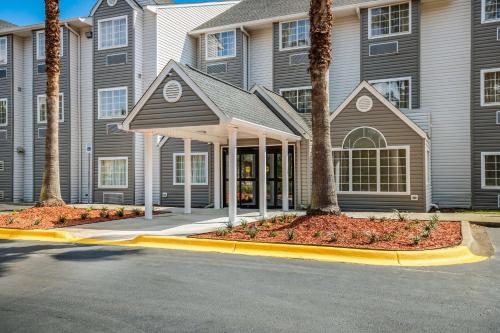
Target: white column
{"x":187,"y":176}
{"x":262,"y":176}
{"x":148,"y":176}
{"x":217,"y":172}
{"x":232,"y":173}
{"x":284,"y":174}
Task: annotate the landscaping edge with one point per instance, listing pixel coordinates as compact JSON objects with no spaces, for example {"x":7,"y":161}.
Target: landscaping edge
{"x":456,"y":255}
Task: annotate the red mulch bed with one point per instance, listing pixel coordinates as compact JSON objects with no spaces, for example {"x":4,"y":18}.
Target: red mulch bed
{"x":52,"y":217}
{"x":349,"y":232}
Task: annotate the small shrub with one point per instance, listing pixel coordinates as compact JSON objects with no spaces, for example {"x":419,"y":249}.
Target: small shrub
{"x":355,"y":235}
{"x":137,"y":211}
{"x":267,"y":225}
{"x":282,"y":219}
{"x":372,"y":218}
{"x":221,"y":231}
{"x":387,"y":237}
{"x":382,"y":219}
{"x":317,"y":233}
{"x":84,"y":216}
{"x":11,"y":220}
{"x":400,"y":215}
{"x":252,"y":232}
{"x":120,"y":212}
{"x":104,"y":213}
{"x":244,"y":224}
{"x":62,"y":219}
{"x":425,"y":233}
{"x":291,"y":234}
{"x":273,"y":233}
{"x":434,"y":219}
{"x":428,"y":227}
{"x":415,"y":240}
{"x":89,"y":209}
{"x":372,"y":237}
{"x":37,"y":221}
{"x":333,"y":237}
{"x":229,"y":225}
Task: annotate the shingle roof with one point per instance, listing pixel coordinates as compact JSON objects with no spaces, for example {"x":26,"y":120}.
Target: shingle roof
{"x":5,"y":24}
{"x":253,"y":10}
{"x":235,"y":102}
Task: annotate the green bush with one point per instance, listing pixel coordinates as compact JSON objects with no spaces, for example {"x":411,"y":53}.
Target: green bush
{"x":62,"y":219}
{"x":137,"y":211}
{"x":372,"y":237}
{"x":317,"y":233}
{"x":252,"y":232}
{"x":244,"y":224}
{"x":37,"y":221}
{"x":388,"y":236}
{"x":333,"y":237}
{"x":400,"y":215}
{"x":425,"y":233}
{"x":120,"y":212}
{"x":415,"y":239}
{"x":291,"y":234}
{"x":104,"y":213}
{"x":84,"y":216}
{"x":221,"y":231}
{"x":272,"y":233}
{"x":229,"y":225}
{"x":11,"y":220}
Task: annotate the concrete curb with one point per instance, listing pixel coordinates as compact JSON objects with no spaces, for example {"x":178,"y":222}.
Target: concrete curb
{"x":441,"y":257}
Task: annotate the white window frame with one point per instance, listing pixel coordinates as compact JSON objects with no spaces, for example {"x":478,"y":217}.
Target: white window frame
{"x":407,"y":78}
{"x":280,"y":41}
{"x":38,"y":105}
{"x":483,"y":72}
{"x":174,"y":160}
{"x":390,"y":34}
{"x":295,"y":89}
{"x":99,"y":37}
{"x":6,"y":55}
{"x":38,"y":33}
{"x":483,"y":170}
{"x":483,"y":14}
{"x":6,"y":112}
{"x":378,"y":192}
{"x":99,"y":102}
{"x":99,"y":184}
{"x":222,"y":57}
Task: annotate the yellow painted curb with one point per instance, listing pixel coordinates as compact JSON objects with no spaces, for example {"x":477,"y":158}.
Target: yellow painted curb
{"x":441,"y":257}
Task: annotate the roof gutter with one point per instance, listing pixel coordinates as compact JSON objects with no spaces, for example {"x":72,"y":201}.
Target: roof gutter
{"x":38,"y":26}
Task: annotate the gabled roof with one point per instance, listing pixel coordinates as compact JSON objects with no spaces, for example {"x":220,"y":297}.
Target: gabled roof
{"x":230,"y":103}
{"x":383,"y":100}
{"x":132,"y":3}
{"x":5,"y":24}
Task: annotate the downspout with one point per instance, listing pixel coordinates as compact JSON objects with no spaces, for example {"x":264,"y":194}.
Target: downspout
{"x":242,"y":28}
{"x":78,"y":98}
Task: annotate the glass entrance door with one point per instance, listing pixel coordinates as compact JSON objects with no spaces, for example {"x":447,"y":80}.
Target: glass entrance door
{"x":247,"y":178}
{"x":274,"y":178}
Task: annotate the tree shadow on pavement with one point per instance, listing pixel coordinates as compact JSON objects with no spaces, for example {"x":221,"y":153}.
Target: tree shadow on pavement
{"x":95,"y":254}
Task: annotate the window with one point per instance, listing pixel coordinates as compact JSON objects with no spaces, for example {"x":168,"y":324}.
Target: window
{"x":199,"y":169}
{"x":498,"y":117}
{"x":3,"y":112}
{"x":490,"y":87}
{"x":300,"y":98}
{"x":294,"y":34}
{"x":221,"y":45}
{"x":113,"y":33}
{"x":490,"y":10}
{"x":365,"y":164}
{"x":113,"y":172}
{"x":42,"y":108}
{"x":490,"y":170}
{"x":397,"y":91}
{"x":40,"y":44}
{"x":112,"y":103}
{"x":3,"y":50}
{"x":389,"y":20}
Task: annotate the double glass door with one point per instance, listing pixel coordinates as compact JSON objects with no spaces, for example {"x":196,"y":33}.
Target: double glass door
{"x":247,"y":173}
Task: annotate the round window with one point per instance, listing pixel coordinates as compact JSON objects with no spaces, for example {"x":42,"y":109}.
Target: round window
{"x":364,"y":104}
{"x":172,"y":91}
{"x":111,"y":3}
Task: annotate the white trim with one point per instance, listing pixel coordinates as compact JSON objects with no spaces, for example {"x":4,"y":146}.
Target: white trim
{"x":297,"y":90}
{"x":483,"y":171}
{"x":261,"y":129}
{"x":383,"y":100}
{"x":378,"y":192}
{"x":154,"y":8}
{"x":6,"y":112}
{"x":483,"y":14}
{"x":222,"y":57}
{"x":38,"y":33}
{"x":99,"y":102}
{"x":61,"y":109}
{"x":174,"y":172}
{"x":373,"y":128}
{"x":111,"y":3}
{"x":379,"y":55}
{"x":281,"y":48}
{"x":406,"y":78}
{"x":390,"y":34}
{"x":179,"y":91}
{"x":99,"y":48}
{"x":6,"y":50}
{"x":483,"y":72}
{"x":132,"y":4}
{"x":99,"y":185}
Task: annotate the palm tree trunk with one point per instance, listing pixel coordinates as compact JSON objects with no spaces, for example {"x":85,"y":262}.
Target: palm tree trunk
{"x":50,"y":194}
{"x":324,"y":194}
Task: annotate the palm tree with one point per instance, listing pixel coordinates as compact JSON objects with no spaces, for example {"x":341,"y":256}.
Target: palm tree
{"x":50,"y":194}
{"x":324,"y":194}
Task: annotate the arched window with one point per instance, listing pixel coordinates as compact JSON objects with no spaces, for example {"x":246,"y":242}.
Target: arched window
{"x":364,"y":137}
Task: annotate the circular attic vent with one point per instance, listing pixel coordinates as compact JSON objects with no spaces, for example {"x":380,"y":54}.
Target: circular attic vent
{"x":172,"y":91}
{"x":111,"y":3}
{"x":364,"y":104}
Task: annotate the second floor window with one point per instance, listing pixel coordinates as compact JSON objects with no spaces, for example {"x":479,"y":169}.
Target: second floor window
{"x":42,"y":108}
{"x":112,"y":103}
{"x":40,"y":44}
{"x":490,"y":86}
{"x":3,"y":112}
{"x":491,"y":10}
{"x":397,"y":91}
{"x":221,"y":45}
{"x":300,"y":98}
{"x":389,"y":20}
{"x":3,"y":50}
{"x":294,"y":34}
{"x":113,"y":33}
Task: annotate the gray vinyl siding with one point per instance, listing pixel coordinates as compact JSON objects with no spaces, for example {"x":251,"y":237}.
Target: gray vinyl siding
{"x":405,"y":63}
{"x":39,"y":88}
{"x":7,"y":147}
{"x":190,"y":110}
{"x":113,"y":145}
{"x":397,"y":133}
{"x":284,"y":74}
{"x":201,"y":195}
{"x":485,"y":132}
{"x":235,"y":70}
